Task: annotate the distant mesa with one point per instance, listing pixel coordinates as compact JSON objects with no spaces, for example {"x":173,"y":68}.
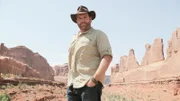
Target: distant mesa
{"x":61,"y":70}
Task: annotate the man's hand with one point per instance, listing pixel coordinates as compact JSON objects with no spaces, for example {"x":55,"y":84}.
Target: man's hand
{"x":90,"y":83}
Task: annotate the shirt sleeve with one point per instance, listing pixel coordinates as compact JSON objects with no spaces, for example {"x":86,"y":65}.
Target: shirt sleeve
{"x":103,"y":44}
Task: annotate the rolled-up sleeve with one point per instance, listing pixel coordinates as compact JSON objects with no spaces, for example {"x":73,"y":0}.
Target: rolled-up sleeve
{"x":103,"y":44}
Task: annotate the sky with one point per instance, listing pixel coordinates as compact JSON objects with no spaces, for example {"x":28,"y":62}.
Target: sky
{"x":45,"y":26}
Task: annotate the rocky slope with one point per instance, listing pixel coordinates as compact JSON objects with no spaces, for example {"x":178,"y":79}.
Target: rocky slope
{"x":25,"y":56}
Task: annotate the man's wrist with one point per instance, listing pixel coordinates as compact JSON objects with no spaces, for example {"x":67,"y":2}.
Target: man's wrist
{"x":94,"y":80}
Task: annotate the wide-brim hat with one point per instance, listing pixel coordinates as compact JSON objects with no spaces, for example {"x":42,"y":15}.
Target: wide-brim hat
{"x":82,"y":10}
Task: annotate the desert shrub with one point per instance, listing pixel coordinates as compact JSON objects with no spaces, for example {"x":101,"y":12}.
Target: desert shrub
{"x":4,"y":96}
{"x":115,"y":97}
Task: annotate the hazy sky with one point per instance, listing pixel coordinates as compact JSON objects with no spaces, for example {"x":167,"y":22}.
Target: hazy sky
{"x":45,"y":26}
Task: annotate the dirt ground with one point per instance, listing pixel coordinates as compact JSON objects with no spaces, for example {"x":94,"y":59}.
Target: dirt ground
{"x":154,"y":91}
{"x":162,"y":91}
{"x":30,"y":89}
{"x":24,"y":92}
{"x":131,"y":92}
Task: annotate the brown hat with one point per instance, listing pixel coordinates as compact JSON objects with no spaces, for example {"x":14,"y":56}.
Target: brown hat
{"x":83,"y":10}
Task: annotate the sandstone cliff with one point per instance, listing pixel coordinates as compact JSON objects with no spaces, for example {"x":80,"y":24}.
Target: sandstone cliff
{"x":9,"y":65}
{"x":34,"y":60}
{"x":154,"y":53}
{"x":61,"y":70}
{"x":154,"y":66}
{"x":126,"y":63}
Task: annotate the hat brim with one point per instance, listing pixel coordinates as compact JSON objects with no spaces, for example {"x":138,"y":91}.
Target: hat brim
{"x":91,"y":13}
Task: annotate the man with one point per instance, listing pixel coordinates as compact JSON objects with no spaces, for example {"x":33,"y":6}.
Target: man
{"x":89,"y":57}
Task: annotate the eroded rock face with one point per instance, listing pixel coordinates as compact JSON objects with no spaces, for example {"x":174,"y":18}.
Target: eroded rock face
{"x":154,"y":52}
{"x":3,"y":49}
{"x":126,"y":63}
{"x":61,"y":70}
{"x":174,"y":43}
{"x":157,"y":53}
{"x":41,"y":65}
{"x":20,"y":53}
{"x":146,"y":58}
{"x":169,"y":49}
{"x":131,"y":62}
{"x":155,"y":67}
{"x":9,"y":65}
{"x":122,"y":67}
{"x":33,"y":60}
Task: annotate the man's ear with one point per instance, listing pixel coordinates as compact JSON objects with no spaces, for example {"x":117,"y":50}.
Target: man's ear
{"x":90,"y":17}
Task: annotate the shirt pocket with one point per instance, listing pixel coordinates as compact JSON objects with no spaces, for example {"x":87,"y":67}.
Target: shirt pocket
{"x":85,"y":41}
{"x":87,"y":55}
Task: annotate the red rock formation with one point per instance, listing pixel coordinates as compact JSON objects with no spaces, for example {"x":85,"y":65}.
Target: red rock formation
{"x":61,"y":70}
{"x":174,"y":43}
{"x":122,"y":67}
{"x":34,"y":60}
{"x":131,"y":62}
{"x":146,"y":58}
{"x":169,"y":49}
{"x":126,"y":63}
{"x":153,"y":53}
{"x":41,"y":65}
{"x":156,"y":68}
{"x":9,"y":65}
{"x":3,"y":49}
{"x":157,"y":53}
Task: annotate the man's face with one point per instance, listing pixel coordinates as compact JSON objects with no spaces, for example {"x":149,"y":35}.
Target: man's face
{"x":84,"y":21}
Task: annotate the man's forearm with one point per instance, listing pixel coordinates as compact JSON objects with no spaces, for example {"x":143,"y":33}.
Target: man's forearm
{"x":104,"y":64}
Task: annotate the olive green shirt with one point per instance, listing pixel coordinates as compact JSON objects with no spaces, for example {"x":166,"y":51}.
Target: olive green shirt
{"x":85,"y":54}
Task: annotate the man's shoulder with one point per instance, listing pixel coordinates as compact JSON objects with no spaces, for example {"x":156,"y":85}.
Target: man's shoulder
{"x":98,"y":32}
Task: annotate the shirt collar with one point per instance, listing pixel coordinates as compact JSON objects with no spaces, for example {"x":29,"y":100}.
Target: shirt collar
{"x":88,"y":31}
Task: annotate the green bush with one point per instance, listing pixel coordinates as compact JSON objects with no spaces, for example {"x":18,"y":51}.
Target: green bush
{"x":115,"y":97}
{"x":4,"y":97}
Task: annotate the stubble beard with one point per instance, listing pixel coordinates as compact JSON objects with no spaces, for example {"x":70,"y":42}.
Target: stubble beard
{"x":84,"y":26}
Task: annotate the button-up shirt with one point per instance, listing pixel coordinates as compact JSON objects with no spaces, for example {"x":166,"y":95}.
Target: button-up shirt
{"x":85,"y":54}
